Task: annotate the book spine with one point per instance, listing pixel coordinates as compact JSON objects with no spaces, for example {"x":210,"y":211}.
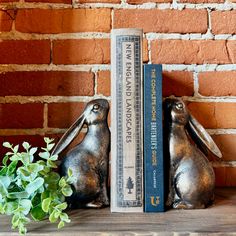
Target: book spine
{"x":126,"y":121}
{"x":153,"y":140}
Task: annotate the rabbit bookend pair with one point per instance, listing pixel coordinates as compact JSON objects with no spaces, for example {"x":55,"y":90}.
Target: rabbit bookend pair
{"x":191,"y":177}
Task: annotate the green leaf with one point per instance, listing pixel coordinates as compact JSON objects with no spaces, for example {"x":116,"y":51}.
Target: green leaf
{"x":48,"y":140}
{"x":33,"y":150}
{"x":16,"y":148}
{"x":46,"y":204}
{"x":25,"y":158}
{"x":37,"y":213}
{"x":54,"y":157}
{"x":24,"y":174}
{"x":34,"y":167}
{"x":70,"y":172}
{"x":10,"y":207}
{"x":26,"y":206}
{"x":22,"y":230}
{"x":44,"y":155}
{"x":61,"y":225}
{"x":33,"y":186}
{"x":18,"y":195}
{"x":67,"y":191}
{"x":3,"y":171}
{"x":15,"y":221}
{"x":12,"y":167}
{"x":7,"y":145}
{"x":62,"y":182}
{"x":5,"y":180}
{"x":15,"y":157}
{"x":1,"y":208}
{"x":53,"y":217}
{"x":36,"y":200}
{"x":26,"y":145}
{"x":3,"y":190}
{"x":52,"y":177}
{"x":62,"y":206}
{"x":51,"y":164}
{"x":45,"y":194}
{"x":64,"y":217}
{"x":5,"y":159}
{"x":50,"y":146}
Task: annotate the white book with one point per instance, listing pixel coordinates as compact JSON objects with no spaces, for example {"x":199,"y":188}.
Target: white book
{"x":126,"y":121}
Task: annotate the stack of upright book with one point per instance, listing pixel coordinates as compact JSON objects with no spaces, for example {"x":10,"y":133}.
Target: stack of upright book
{"x":137,"y":172}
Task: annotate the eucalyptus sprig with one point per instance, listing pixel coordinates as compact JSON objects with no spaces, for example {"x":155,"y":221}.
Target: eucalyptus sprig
{"x":30,"y":187}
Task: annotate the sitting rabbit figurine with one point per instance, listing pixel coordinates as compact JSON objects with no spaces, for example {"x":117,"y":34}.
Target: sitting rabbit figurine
{"x":191,"y":177}
{"x":89,"y":159}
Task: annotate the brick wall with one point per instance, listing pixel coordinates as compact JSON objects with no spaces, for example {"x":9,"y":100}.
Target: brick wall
{"x":55,"y":57}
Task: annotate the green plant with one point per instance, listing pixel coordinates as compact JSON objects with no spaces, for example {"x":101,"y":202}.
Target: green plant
{"x":31,"y":187}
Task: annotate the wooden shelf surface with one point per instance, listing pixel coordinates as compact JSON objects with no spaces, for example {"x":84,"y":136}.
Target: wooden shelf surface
{"x":219,"y":219}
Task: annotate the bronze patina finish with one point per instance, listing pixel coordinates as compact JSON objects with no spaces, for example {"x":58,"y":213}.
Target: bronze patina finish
{"x":89,"y":159}
{"x":192,"y":179}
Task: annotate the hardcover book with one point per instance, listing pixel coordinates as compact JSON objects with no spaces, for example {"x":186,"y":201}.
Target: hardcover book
{"x":126,"y":121}
{"x":153,"y":140}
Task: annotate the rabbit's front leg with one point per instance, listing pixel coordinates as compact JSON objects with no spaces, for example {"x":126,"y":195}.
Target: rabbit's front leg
{"x":171,"y":193}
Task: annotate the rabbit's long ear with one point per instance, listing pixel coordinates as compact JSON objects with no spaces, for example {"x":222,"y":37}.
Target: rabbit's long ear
{"x":203,"y":138}
{"x":69,"y":135}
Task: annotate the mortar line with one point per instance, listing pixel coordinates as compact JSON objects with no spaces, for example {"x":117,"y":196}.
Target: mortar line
{"x":48,"y":99}
{"x":196,"y":84}
{"x":15,"y":35}
{"x":63,"y":99}
{"x":122,"y":5}
{"x":94,"y":67}
{"x":45,"y":116}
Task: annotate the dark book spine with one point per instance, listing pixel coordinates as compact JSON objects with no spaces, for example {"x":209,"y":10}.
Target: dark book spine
{"x":153,"y":140}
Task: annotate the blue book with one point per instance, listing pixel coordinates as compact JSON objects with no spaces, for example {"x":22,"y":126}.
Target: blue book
{"x":153,"y":140}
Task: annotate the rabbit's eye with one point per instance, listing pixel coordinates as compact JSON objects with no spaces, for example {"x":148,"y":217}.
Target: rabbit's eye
{"x":96,"y":107}
{"x":179,"y":106}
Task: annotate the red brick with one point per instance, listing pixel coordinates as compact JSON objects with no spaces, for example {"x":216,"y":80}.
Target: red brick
{"x":25,"y":52}
{"x":225,"y":176}
{"x":193,"y":51}
{"x":59,"y":119}
{"x":226,"y":144}
{"x":201,"y":1}
{"x":163,"y":21}
{"x":42,"y":83}
{"x":81,"y":51}
{"x":146,"y":1}
{"x":231,"y":47}
{"x":21,"y":116}
{"x":104,"y":83}
{"x":145,"y":51}
{"x":223,"y":22}
{"x":99,"y":1}
{"x":6,"y":20}
{"x":214,"y":115}
{"x":51,"y":1}
{"x":91,"y":51}
{"x":178,"y":83}
{"x":217,"y":83}
{"x":63,"y":20}
{"x":3,"y":1}
{"x":33,"y":140}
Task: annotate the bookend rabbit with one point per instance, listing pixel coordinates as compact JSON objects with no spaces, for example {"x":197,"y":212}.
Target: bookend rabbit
{"x":89,"y":159}
{"x":191,"y":176}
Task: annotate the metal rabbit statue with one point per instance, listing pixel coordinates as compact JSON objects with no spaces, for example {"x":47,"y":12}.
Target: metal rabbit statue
{"x":89,"y":159}
{"x":191,"y":177}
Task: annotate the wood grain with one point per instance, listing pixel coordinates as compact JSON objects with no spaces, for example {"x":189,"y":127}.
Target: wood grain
{"x":219,"y":219}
